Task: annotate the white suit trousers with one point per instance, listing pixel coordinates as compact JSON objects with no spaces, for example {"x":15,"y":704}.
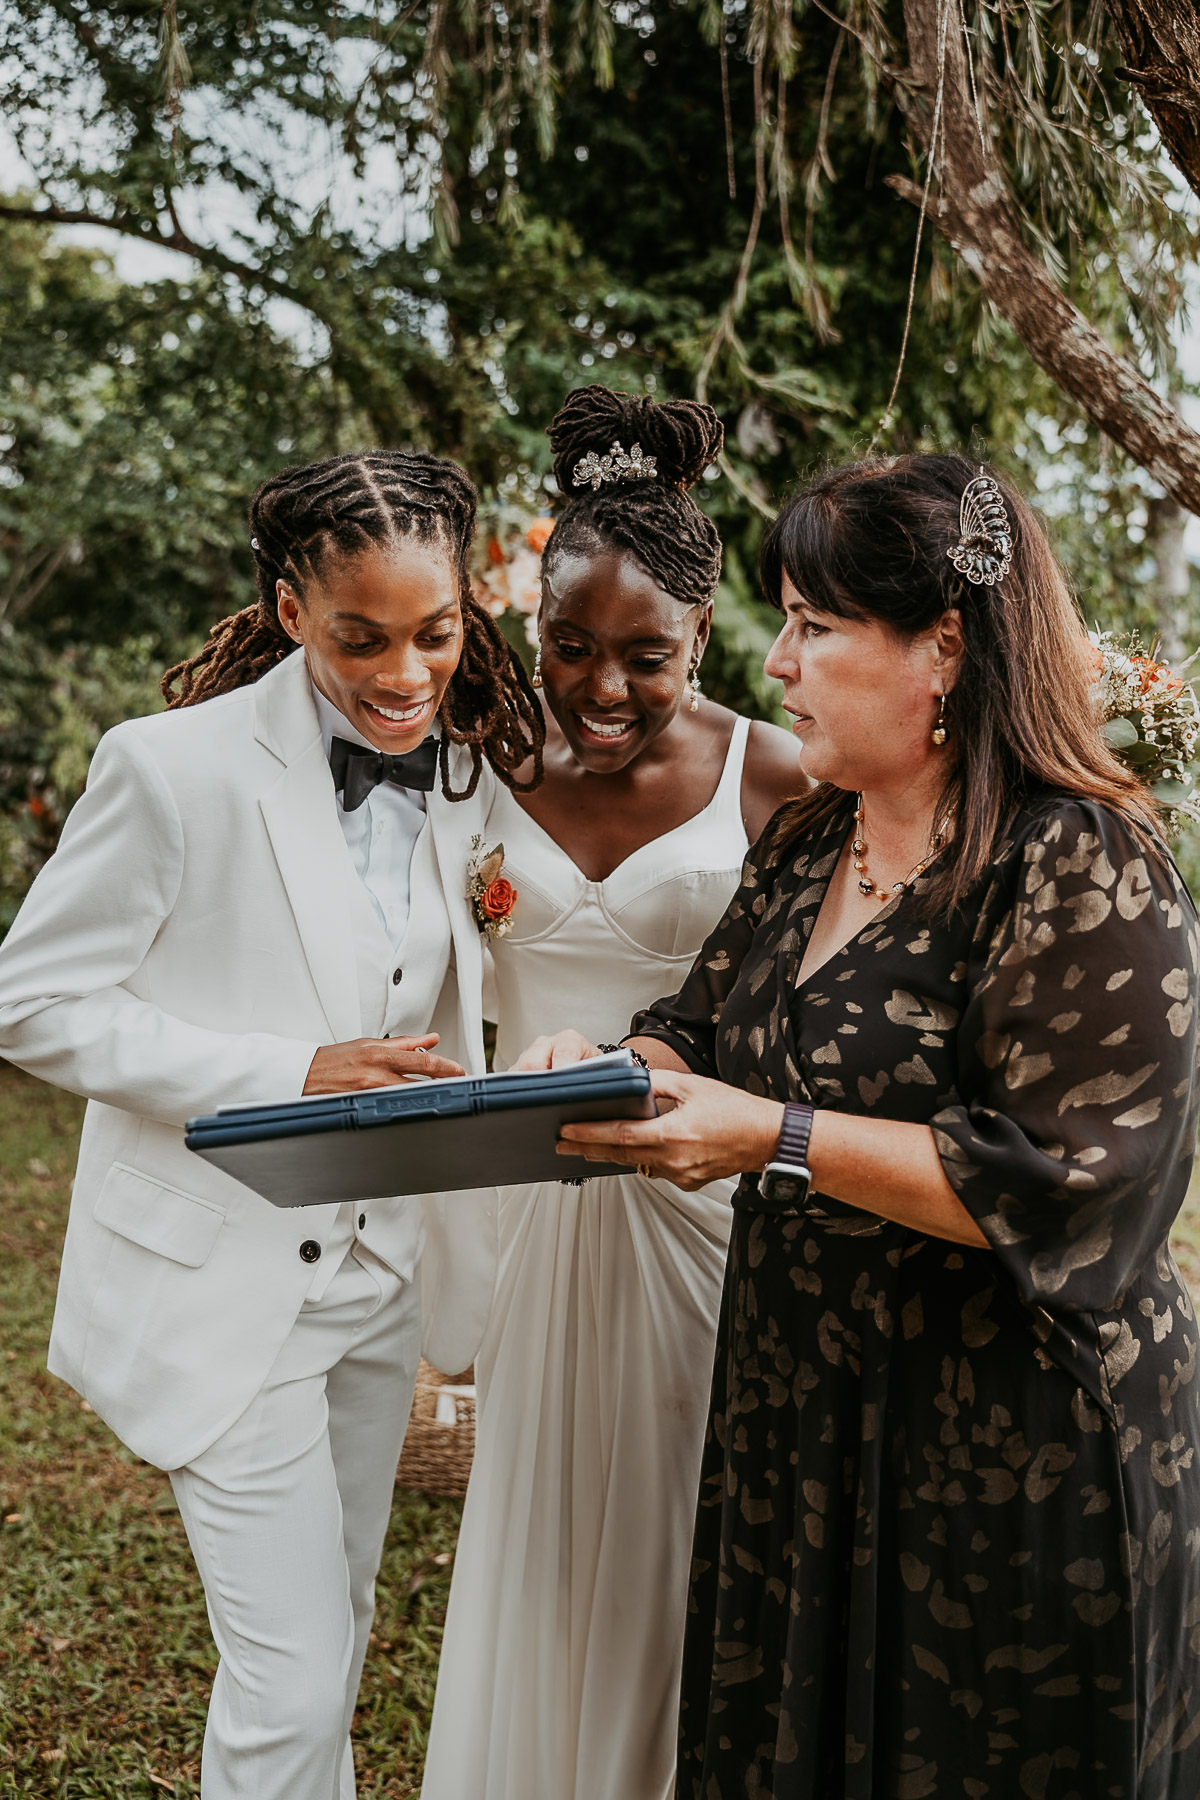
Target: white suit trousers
{"x":286,"y":1515}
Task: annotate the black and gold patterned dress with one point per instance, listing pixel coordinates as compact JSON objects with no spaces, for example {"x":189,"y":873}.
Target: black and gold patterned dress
{"x":948,"y":1539}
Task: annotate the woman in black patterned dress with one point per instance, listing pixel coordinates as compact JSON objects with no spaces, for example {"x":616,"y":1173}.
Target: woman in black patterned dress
{"x":948,"y":1540}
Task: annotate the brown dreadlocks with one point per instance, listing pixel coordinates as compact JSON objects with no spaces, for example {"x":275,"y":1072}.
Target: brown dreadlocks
{"x":303,"y":518}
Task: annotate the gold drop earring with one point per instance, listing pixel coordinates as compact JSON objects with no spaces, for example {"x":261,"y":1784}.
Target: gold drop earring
{"x":939,"y":730}
{"x":535,"y":680}
{"x":694,"y":679}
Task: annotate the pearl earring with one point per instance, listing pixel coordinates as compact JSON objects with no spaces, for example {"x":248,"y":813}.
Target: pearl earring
{"x":535,"y":680}
{"x":939,"y":730}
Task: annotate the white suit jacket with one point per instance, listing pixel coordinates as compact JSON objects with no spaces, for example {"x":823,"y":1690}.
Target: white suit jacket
{"x":189,"y":946}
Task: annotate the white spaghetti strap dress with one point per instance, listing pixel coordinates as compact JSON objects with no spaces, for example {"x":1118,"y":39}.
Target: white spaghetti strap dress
{"x":560,"y":1666}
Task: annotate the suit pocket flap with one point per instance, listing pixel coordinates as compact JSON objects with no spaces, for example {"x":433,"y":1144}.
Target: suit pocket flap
{"x":159,"y":1217}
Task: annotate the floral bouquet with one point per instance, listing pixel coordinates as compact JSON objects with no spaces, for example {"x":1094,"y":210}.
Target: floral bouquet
{"x":491,"y":894}
{"x":506,"y":574}
{"x":1151,"y":720}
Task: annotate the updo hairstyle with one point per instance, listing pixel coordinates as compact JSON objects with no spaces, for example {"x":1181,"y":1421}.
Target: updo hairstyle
{"x":655,"y":520}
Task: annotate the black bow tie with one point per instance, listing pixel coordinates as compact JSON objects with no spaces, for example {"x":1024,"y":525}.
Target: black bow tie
{"x":357,"y":771}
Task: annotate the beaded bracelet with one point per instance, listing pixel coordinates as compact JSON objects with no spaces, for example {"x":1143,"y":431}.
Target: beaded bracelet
{"x":607,"y":1049}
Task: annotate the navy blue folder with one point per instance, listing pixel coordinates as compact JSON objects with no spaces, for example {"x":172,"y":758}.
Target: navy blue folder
{"x":422,"y":1137}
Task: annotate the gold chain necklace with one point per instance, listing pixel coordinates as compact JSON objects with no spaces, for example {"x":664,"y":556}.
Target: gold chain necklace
{"x":859,"y":851}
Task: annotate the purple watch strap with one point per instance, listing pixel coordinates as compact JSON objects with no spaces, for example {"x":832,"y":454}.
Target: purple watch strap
{"x":792,"y":1144}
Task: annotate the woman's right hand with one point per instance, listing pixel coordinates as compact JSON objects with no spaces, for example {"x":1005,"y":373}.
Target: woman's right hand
{"x":556,"y":1052}
{"x":375,"y":1062}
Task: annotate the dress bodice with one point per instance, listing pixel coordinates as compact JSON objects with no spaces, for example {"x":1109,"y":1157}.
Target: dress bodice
{"x":589,"y":954}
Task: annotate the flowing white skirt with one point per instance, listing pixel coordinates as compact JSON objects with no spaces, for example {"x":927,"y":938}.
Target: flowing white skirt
{"x":560,"y":1666}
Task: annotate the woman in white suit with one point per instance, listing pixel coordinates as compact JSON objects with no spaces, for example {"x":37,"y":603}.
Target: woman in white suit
{"x":263,"y":893}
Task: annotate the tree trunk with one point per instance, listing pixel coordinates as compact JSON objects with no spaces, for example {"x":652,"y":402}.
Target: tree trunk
{"x":1166,"y":527}
{"x":973,"y":210}
{"x":1162,"y":42}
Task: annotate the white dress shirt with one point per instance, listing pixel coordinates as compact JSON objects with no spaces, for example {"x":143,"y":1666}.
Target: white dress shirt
{"x":381,"y":833}
{"x":381,"y":836}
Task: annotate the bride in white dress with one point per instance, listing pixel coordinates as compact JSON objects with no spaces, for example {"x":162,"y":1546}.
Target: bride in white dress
{"x":560,"y":1662}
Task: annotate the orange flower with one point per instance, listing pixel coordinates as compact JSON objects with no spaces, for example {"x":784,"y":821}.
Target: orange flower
{"x":538,"y":534}
{"x":498,"y":898}
{"x":495,"y":550}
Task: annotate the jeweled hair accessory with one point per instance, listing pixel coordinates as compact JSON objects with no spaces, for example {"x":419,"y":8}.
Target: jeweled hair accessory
{"x":983,"y":552}
{"x":619,"y":465}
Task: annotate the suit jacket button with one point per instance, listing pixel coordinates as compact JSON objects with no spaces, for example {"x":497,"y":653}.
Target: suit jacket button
{"x":362,"y":1221}
{"x":397,"y":977}
{"x":310,"y":1250}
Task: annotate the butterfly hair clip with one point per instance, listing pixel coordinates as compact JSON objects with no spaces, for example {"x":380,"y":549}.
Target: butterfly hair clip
{"x":983,"y":552}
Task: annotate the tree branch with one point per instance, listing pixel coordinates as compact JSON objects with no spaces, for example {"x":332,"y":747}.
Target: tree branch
{"x":149,"y":232}
{"x":1162,"y":42}
{"x":975,"y":213}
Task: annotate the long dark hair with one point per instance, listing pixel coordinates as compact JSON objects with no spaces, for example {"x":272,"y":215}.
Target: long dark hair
{"x":656,"y":520}
{"x":304,"y":518}
{"x":870,"y":541}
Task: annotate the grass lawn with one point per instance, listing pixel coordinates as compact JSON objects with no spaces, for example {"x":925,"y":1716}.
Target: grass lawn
{"x":105,"y":1656}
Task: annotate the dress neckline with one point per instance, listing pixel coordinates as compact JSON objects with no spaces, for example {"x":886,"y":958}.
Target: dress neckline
{"x":812,"y":913}
{"x":734,"y":762}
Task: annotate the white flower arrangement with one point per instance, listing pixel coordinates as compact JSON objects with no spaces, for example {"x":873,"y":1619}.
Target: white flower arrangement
{"x":1151,"y":720}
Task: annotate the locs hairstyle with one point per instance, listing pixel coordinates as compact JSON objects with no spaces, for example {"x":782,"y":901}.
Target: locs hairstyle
{"x":870,"y":541}
{"x":656,"y":520}
{"x":303,"y":519}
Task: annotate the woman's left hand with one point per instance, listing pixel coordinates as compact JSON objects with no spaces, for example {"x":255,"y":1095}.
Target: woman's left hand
{"x":705,"y":1130}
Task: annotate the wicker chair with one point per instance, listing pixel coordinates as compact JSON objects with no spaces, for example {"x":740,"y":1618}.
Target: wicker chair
{"x":440,"y":1442}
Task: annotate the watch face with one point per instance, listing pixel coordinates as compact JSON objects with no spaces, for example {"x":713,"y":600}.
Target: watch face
{"x":783,"y":1186}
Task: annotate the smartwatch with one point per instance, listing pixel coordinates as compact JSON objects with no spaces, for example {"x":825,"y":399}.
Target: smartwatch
{"x":785,"y":1183}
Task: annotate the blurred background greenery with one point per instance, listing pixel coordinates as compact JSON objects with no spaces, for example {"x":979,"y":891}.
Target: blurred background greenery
{"x":236,"y":238}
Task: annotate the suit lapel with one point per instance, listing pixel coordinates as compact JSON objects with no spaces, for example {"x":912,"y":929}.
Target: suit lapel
{"x":300,"y":812}
{"x":453,"y":824}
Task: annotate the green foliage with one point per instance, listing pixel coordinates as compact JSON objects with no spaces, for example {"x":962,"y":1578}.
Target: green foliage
{"x":473,"y":209}
{"x":135,"y":421}
{"x":54,"y":706}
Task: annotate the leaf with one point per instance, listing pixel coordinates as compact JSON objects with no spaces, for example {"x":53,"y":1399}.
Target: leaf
{"x":1120,"y":734}
{"x":491,"y":865}
{"x":1142,"y":753}
{"x":1171,"y":793}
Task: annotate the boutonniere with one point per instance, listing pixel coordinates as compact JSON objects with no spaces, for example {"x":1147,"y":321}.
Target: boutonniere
{"x":491,"y":894}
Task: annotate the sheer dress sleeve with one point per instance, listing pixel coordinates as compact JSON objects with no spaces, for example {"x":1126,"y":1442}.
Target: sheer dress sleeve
{"x":687,"y":1022}
{"x":1071,"y":1134}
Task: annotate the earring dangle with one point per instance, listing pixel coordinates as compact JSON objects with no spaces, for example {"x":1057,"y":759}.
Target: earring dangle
{"x":535,"y":680}
{"x":694,"y":679}
{"x":939,"y":730}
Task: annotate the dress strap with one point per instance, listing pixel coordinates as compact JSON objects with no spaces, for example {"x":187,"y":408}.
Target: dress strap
{"x":726,"y":803}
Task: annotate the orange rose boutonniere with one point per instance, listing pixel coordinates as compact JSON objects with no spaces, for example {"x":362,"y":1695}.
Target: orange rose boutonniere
{"x":491,"y":894}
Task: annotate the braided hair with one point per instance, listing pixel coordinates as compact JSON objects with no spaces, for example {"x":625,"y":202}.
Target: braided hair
{"x":656,"y":520}
{"x":303,"y":518}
